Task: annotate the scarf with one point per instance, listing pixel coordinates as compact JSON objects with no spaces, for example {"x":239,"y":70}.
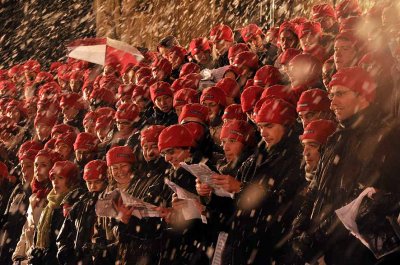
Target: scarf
{"x":41,"y":188}
{"x":44,"y":225}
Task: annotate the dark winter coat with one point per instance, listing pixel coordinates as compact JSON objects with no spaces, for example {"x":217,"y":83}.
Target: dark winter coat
{"x":75,"y":237}
{"x":161,"y":118}
{"x":13,"y":220}
{"x":263,"y":215}
{"x":222,"y":60}
{"x":269,"y":55}
{"x":362,"y":153}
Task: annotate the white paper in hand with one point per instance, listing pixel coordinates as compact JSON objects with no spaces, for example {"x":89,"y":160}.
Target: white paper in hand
{"x":204,"y":174}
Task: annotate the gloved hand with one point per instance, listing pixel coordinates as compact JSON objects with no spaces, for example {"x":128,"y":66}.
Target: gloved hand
{"x":37,"y":256}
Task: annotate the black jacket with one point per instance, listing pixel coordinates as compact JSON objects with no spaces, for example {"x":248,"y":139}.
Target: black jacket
{"x":362,"y":153}
{"x":262,"y":217}
{"x":161,"y":118}
{"x":13,"y":220}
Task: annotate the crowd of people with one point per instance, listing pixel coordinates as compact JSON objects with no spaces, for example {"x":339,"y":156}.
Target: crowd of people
{"x":296,"y":122}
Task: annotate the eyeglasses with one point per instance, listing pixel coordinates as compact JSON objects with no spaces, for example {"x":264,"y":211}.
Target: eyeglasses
{"x":338,"y":94}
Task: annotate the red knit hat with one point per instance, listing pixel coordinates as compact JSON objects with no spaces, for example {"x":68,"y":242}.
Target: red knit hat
{"x":126,"y":90}
{"x":194,"y":77}
{"x":197,"y":130}
{"x":280,"y":91}
{"x":54,"y":66}
{"x":7,"y":124}
{"x":310,"y":64}
{"x":175,"y":136}
{"x":127,"y":111}
{"x":143,"y":72}
{"x":356,"y":79}
{"x":185,"y":96}
{"x":104,"y":121}
{"x":28,"y":154}
{"x":309,"y":27}
{"x":267,"y":76}
{"x":32,"y":65}
{"x":61,"y":129}
{"x":53,"y":156}
{"x":160,"y":89}
{"x":150,"y":134}
{"x":351,"y":24}
{"x":69,"y":170}
{"x":314,"y":100}
{"x":229,"y":86}
{"x":178,"y":51}
{"x":249,"y":97}
{"x":163,"y":65}
{"x":221,"y":32}
{"x":120,"y":154}
{"x":183,"y":83}
{"x":288,"y":55}
{"x":236,"y":49}
{"x":319,"y":130}
{"x":287,"y":26}
{"x":15,"y":70}
{"x":105,"y":111}
{"x":72,"y":100}
{"x":189,"y":68}
{"x":102,"y":95}
{"x":194,"y":110}
{"x":8,"y":88}
{"x":234,"y":112}
{"x":51,"y":88}
{"x":323,"y":10}
{"x":28,"y":145}
{"x":140,"y":91}
{"x":66,"y":138}
{"x":199,"y":44}
{"x":236,"y":129}
{"x":214,"y":94}
{"x":146,"y":82}
{"x":277,"y":111}
{"x":17,"y":105}
{"x":250,"y":31}
{"x":347,"y":8}
{"x":246,"y":59}
{"x":86,"y":141}
{"x":43,"y":77}
{"x":95,"y":170}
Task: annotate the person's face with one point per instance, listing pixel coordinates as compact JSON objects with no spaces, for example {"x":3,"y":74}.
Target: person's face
{"x":102,"y":133}
{"x":232,"y":149}
{"x":175,"y":60}
{"x":150,"y":151}
{"x":326,"y":22}
{"x":202,"y":57}
{"x":308,"y":116}
{"x":108,"y":70}
{"x":164,"y":103}
{"x":158,"y":74}
{"x":164,"y":51}
{"x":14,"y":114}
{"x":64,"y":150}
{"x":344,"y":102}
{"x":125,"y":99}
{"x":213,"y":108}
{"x":69,"y":112}
{"x":43,"y":131}
{"x":327,"y":72}
{"x":174,"y":156}
{"x":124,"y":126}
{"x":95,"y":185}
{"x":83,"y":156}
{"x":287,"y":40}
{"x":271,"y":133}
{"x":122,"y":172}
{"x":311,"y":154}
{"x":221,"y":46}
{"x":60,"y":184}
{"x":178,"y":110}
{"x":90,"y":126}
{"x":344,"y":54}
{"x":29,"y":75}
{"x":309,"y":41}
{"x":256,"y":43}
{"x":27,"y":169}
{"x":141,"y":102}
{"x":75,"y":85}
{"x":42,"y":168}
{"x":298,"y":73}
